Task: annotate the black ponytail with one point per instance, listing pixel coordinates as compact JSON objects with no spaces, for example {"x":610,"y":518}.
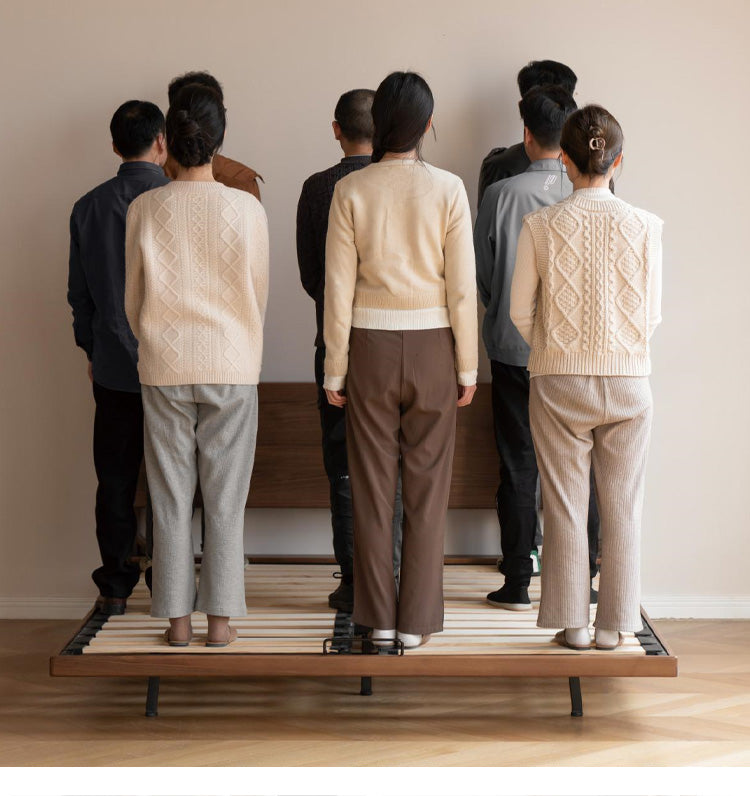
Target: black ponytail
{"x":402,"y":107}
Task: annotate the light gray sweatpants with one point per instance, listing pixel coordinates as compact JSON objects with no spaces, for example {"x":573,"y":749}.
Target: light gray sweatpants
{"x":204,"y":431}
{"x":576,"y":420}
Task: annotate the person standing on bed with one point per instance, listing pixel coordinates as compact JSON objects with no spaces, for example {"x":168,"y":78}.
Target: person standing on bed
{"x":586,"y":297}
{"x":400,"y":328}
{"x":196,"y":289}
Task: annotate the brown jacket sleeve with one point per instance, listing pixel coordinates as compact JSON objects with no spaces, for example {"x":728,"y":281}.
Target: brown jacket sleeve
{"x":234,"y":174}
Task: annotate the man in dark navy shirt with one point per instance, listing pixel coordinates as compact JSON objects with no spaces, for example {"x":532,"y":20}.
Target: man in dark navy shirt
{"x":96,"y":287}
{"x":353,"y":129}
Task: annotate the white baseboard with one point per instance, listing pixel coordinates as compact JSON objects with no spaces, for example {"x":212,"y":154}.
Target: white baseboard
{"x":657,"y":607}
{"x":688,"y":607}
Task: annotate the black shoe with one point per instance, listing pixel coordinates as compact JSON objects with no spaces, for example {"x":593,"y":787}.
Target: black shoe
{"x":593,"y":596}
{"x":510,"y":597}
{"x":110,"y":606}
{"x":343,"y":598}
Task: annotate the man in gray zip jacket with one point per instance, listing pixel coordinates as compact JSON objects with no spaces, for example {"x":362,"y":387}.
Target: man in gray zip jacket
{"x":544,"y":110}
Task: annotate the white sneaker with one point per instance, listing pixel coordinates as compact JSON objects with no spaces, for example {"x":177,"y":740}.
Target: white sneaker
{"x":383,"y":638}
{"x":411,"y":640}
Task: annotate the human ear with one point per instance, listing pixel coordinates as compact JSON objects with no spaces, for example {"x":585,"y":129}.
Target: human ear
{"x":336,"y":130}
{"x":429,"y":124}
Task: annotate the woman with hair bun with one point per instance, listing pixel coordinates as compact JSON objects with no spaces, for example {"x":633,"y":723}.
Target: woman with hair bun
{"x":400,"y":328}
{"x":196,"y":289}
{"x":586,"y":296}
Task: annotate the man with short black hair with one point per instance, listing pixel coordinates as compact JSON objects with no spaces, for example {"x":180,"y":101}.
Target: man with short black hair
{"x":229,"y":172}
{"x":353,"y":129}
{"x":96,"y":293}
{"x":544,"y":110}
{"x":504,"y":162}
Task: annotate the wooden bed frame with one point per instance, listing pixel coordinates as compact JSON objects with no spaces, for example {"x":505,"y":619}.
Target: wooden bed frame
{"x":288,"y":473}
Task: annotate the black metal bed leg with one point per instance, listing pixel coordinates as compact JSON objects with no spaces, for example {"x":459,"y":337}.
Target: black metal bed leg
{"x":576,"y":700}
{"x":365,"y":688}
{"x":152,"y":697}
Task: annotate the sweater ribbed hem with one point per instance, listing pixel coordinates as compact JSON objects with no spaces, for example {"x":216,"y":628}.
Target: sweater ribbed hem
{"x":334,"y":383}
{"x":390,"y":320}
{"x":585,"y":364}
{"x":198,"y":377}
{"x":414,"y":301}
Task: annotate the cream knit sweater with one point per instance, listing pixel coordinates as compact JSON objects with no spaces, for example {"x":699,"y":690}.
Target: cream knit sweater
{"x":196,"y":285}
{"x":399,"y":256}
{"x":586,"y":292}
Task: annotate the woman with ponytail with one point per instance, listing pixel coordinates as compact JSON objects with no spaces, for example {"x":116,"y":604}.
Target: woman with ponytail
{"x":401,"y":354}
{"x":586,"y":296}
{"x":196,"y":286}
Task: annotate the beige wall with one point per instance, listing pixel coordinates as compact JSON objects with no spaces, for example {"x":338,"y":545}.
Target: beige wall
{"x":675,"y":73}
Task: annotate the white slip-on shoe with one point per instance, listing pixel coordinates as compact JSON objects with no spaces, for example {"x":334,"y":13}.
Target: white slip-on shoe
{"x":383,"y":638}
{"x":412,"y":640}
{"x":607,"y":639}
{"x":575,"y":638}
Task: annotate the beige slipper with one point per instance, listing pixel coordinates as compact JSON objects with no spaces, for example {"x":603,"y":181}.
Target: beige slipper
{"x":563,"y":642}
{"x":620,"y":639}
{"x":231,"y":636}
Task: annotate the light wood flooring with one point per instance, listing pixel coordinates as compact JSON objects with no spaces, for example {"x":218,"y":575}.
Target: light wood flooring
{"x":701,"y":717}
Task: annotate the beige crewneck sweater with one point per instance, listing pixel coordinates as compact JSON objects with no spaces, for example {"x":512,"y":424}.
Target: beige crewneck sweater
{"x":196,"y":285}
{"x":399,"y":256}
{"x":586,"y":292}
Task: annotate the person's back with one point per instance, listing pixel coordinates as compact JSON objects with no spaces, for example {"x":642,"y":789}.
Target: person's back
{"x":96,"y":289}
{"x":586,"y":296}
{"x":599,"y":297}
{"x":200,"y":319}
{"x":498,"y":226}
{"x":504,"y":162}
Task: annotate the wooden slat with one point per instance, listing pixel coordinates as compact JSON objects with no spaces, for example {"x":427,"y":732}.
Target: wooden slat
{"x":287,"y":621}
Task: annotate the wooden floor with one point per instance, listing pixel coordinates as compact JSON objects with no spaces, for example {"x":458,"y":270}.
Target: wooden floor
{"x":701,"y":717}
{"x":288,"y":613}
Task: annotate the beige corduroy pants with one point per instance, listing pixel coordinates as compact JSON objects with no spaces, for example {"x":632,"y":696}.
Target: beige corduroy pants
{"x":577,"y":420}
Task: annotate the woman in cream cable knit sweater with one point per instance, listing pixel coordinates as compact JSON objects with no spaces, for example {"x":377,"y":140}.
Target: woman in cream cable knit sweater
{"x":196,"y":289}
{"x":401,"y":334}
{"x":586,"y":296}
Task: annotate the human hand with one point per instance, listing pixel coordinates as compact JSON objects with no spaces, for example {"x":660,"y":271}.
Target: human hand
{"x":466,"y":394}
{"x":336,"y":398}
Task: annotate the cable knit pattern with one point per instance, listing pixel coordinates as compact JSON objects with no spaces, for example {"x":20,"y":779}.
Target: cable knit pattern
{"x":197,"y":283}
{"x":587,"y":286}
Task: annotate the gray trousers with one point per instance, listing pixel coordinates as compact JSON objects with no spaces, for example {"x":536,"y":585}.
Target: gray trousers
{"x":206,"y":432}
{"x":577,"y":420}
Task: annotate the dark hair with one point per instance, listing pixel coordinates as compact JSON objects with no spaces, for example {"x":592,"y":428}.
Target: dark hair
{"x":545,"y":73}
{"x":544,"y":110}
{"x":354,"y":114}
{"x":135,"y":126}
{"x":402,"y":106}
{"x":195,"y":125}
{"x":592,"y":138}
{"x":201,"y":78}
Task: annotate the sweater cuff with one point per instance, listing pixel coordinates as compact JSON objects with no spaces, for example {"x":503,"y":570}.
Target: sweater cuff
{"x":334,"y":383}
{"x":467,"y":378}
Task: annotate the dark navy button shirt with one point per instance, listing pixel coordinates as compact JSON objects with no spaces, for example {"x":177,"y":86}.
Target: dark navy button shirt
{"x":96,"y":279}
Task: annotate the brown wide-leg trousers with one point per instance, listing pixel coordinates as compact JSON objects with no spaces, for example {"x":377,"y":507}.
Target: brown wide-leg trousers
{"x":577,"y":420}
{"x":401,"y":391}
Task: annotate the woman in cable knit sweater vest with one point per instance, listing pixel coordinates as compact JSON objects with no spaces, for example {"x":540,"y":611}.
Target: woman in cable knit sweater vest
{"x":196,"y":290}
{"x":586,"y":296}
{"x":401,"y":334}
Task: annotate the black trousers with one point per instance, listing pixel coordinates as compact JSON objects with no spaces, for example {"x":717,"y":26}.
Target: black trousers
{"x":118,"y":452}
{"x":516,"y":496}
{"x":333,"y":427}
